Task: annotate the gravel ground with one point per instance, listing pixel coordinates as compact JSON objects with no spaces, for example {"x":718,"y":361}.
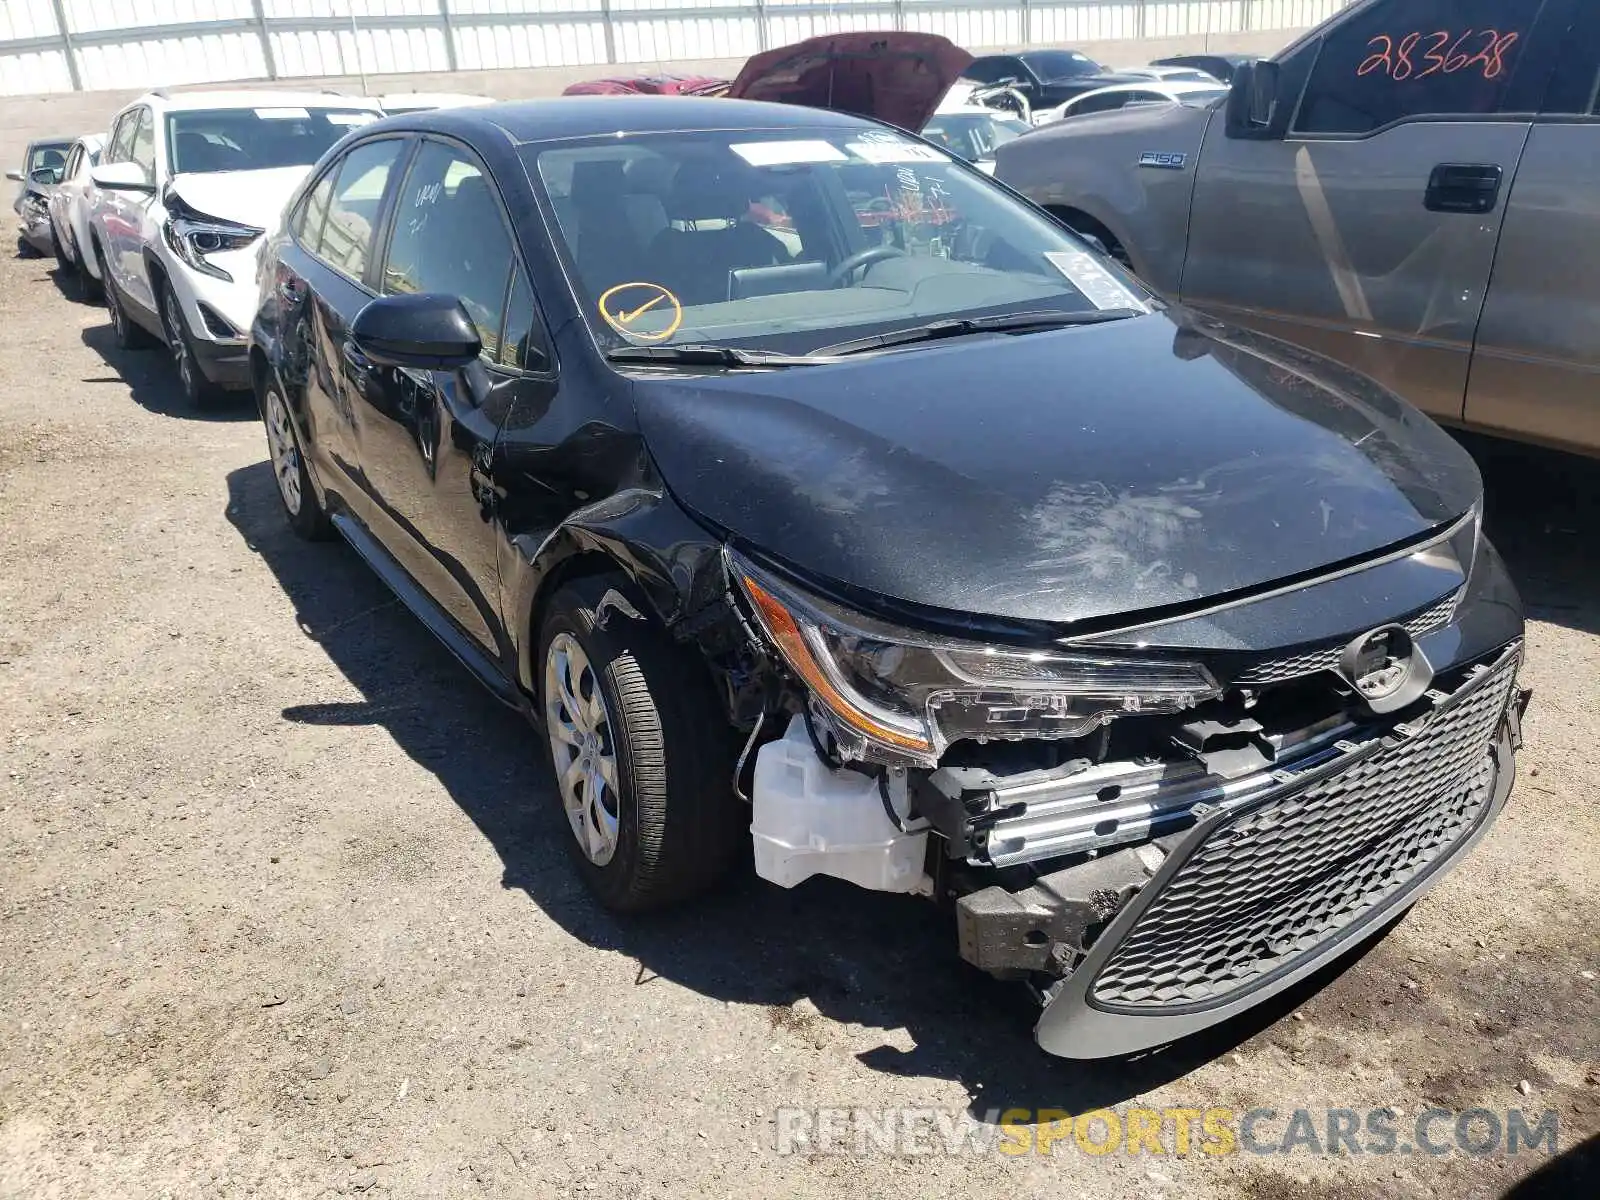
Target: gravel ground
{"x":285,"y":910}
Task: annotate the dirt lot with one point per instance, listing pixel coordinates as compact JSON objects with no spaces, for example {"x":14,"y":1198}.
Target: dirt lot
{"x":284,"y":907}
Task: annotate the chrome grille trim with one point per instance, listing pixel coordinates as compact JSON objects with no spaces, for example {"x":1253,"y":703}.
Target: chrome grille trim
{"x":1326,"y":657}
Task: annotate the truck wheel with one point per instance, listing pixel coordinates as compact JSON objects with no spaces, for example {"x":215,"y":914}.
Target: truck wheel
{"x":642,"y":754}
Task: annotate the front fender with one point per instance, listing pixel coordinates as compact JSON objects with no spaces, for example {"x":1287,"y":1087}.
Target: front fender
{"x":674,"y":566}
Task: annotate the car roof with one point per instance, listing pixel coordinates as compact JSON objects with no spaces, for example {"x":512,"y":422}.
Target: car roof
{"x":205,"y":100}
{"x":562,"y":117}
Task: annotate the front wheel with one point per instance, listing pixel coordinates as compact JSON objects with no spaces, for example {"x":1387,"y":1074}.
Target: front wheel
{"x":64,"y":263}
{"x":642,"y":755}
{"x":198,"y":391}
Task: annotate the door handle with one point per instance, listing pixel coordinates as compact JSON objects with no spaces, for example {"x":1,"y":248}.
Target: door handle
{"x":1463,"y":188}
{"x":290,"y":291}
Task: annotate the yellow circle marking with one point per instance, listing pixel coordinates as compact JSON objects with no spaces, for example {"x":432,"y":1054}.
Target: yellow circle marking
{"x":650,"y":296}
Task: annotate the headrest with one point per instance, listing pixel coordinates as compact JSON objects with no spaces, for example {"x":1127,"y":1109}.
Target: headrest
{"x":701,"y":194}
{"x":598,"y":181}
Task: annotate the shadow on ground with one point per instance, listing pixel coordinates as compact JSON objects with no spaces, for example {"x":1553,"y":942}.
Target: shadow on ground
{"x":1543,"y":513}
{"x":878,"y":960}
{"x":153,"y":383}
{"x":1574,"y":1173}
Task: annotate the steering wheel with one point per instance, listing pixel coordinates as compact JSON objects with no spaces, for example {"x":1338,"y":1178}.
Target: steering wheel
{"x":862,"y":258}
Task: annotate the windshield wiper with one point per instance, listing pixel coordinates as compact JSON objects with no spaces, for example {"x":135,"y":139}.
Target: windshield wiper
{"x":962,"y":326}
{"x":720,"y":356}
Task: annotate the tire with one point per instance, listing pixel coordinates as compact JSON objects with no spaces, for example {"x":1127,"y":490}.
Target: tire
{"x":93,"y":289}
{"x":305,"y":512}
{"x":129,"y":334}
{"x":26,"y":249}
{"x":198,"y":391}
{"x":63,"y":263}
{"x":678,"y":826}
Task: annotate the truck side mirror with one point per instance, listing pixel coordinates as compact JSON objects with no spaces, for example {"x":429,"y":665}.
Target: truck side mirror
{"x":1253,"y":101}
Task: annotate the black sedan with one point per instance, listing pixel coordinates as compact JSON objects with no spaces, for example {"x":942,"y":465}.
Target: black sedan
{"x":822,"y":501}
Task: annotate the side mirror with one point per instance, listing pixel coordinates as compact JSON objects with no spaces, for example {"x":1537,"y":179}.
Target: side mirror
{"x":122,"y":177}
{"x":427,"y":332}
{"x":46,"y":176}
{"x":1253,"y":100}
{"x":14,"y":176}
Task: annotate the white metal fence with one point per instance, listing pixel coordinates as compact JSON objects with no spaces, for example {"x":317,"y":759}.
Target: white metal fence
{"x":63,"y":45}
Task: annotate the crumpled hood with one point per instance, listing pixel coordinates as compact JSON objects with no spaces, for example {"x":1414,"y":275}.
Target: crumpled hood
{"x":1070,"y":476}
{"x":251,"y":197}
{"x":895,"y":77}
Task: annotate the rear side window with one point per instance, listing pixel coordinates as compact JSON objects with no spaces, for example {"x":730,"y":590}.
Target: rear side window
{"x":1412,"y":58}
{"x":449,"y":238}
{"x":352,"y":210}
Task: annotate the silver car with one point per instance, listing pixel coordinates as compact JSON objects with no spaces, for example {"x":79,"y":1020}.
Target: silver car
{"x":1413,"y":188}
{"x":42,"y":164}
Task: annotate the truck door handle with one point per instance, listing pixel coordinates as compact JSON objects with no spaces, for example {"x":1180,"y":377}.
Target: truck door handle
{"x":1463,"y":188}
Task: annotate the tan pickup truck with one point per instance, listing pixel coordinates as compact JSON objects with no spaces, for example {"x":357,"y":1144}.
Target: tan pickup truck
{"x":1413,"y":188}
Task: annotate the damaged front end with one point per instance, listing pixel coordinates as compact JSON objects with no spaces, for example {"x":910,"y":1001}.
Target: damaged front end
{"x":1152,"y":833}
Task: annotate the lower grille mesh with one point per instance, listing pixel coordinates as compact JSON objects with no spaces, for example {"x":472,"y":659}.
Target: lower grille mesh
{"x":1284,"y":876}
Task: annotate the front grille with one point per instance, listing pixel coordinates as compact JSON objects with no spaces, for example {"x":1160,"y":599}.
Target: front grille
{"x":1326,"y":658}
{"x":1287,"y":873}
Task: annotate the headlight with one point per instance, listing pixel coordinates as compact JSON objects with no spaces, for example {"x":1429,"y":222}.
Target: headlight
{"x":192,"y":239}
{"x":896,"y":696}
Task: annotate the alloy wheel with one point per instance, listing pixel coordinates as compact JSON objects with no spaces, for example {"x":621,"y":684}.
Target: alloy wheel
{"x":583,"y":748}
{"x":176,"y":342}
{"x":285,"y":452}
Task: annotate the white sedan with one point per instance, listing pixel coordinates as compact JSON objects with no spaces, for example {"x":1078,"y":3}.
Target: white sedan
{"x":69,"y":205}
{"x":1121,"y":95}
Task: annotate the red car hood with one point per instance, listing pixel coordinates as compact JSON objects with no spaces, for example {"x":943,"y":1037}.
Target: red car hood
{"x":895,"y":77}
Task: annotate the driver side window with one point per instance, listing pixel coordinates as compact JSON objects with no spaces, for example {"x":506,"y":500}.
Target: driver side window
{"x":450,"y":237}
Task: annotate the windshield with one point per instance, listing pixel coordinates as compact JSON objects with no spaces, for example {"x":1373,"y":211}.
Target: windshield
{"x":973,"y":136}
{"x":1060,"y":64}
{"x":256,"y":139}
{"x":795,"y":241}
{"x":47,"y":154}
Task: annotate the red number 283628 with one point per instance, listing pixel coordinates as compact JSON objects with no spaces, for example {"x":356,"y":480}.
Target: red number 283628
{"x":1443,"y":52}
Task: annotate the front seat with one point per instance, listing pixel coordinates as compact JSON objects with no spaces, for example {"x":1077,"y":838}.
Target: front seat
{"x":711,"y":237}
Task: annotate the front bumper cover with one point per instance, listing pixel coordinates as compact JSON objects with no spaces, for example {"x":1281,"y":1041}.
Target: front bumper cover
{"x":1079,"y":1021}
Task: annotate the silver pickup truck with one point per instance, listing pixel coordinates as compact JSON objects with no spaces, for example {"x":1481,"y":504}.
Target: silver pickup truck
{"x":1413,"y":188}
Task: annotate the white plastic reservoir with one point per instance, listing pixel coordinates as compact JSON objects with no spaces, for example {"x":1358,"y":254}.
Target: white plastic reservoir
{"x":810,"y":820}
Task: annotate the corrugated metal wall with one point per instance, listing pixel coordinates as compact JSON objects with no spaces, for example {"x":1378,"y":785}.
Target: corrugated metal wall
{"x":60,"y":45}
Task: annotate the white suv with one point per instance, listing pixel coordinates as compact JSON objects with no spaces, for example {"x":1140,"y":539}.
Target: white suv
{"x":186,"y":186}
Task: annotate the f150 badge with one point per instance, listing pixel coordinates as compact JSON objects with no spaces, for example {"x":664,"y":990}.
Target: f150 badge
{"x":1166,"y":160}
